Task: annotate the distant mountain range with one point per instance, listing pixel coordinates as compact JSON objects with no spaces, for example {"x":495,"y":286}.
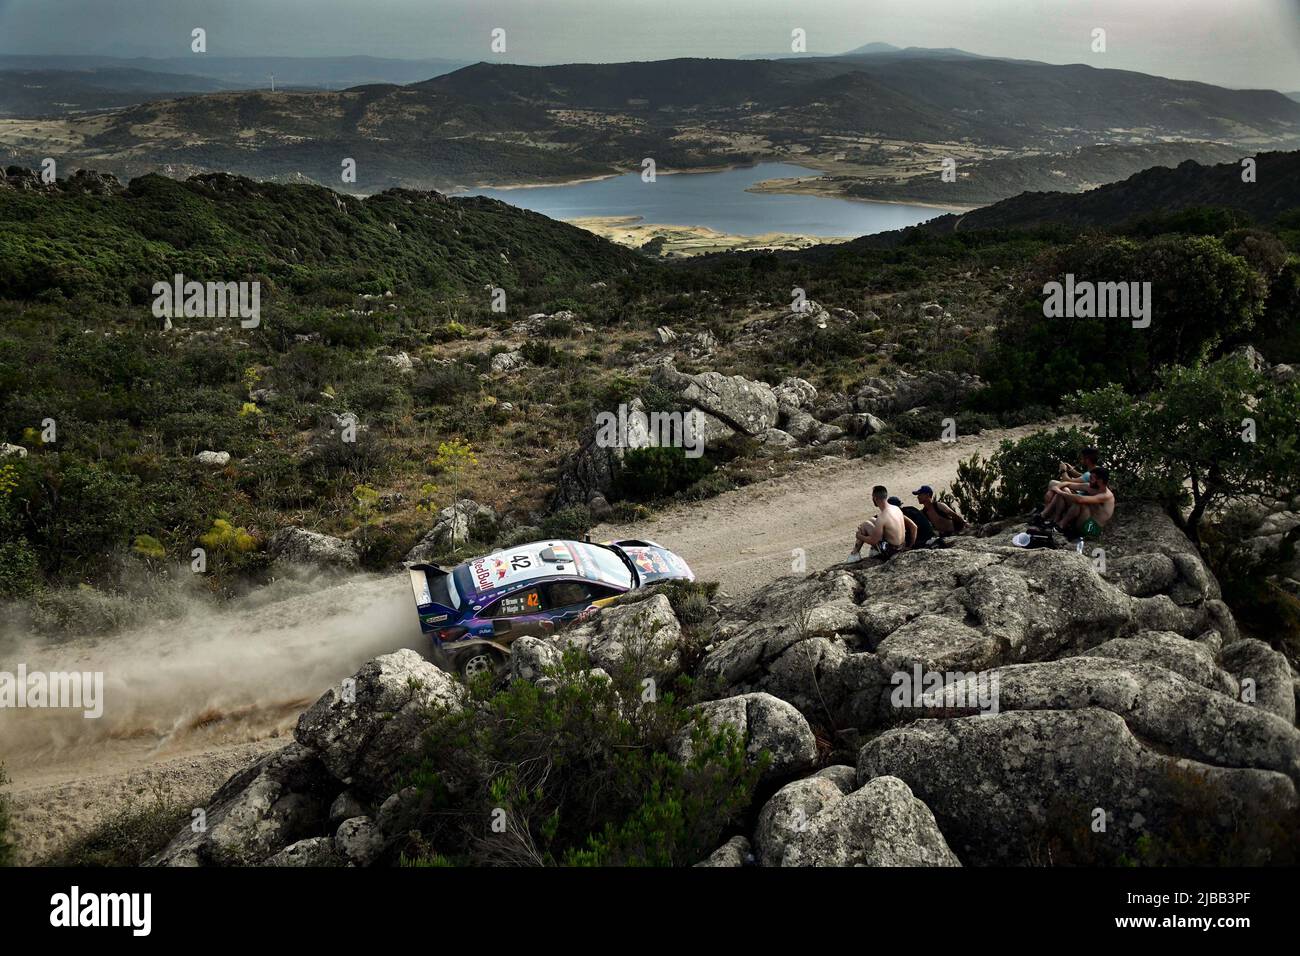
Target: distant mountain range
{"x":497,"y":123}
{"x":39,"y":85}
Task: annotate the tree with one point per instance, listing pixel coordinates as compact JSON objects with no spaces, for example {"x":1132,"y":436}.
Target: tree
{"x":1205,"y":434}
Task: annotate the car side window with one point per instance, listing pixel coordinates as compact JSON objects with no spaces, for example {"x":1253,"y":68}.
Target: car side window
{"x":527,"y":601}
{"x":574,"y":593}
{"x":569,"y":593}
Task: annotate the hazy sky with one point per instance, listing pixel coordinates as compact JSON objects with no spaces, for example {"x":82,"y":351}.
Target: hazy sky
{"x":1230,"y":42}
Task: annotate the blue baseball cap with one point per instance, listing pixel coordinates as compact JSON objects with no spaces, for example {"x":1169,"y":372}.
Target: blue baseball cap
{"x":924,"y":490}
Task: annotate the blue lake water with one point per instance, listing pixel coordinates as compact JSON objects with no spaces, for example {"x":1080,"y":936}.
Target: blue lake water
{"x":717,"y":200}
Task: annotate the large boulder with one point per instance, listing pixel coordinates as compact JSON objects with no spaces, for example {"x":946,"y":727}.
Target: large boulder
{"x":452,"y":526}
{"x":1273,"y":690}
{"x":281,"y":799}
{"x":747,"y":406}
{"x":645,"y":635}
{"x":767,"y":725}
{"x":1037,"y":785}
{"x":735,"y":852}
{"x":880,"y":824}
{"x":300,"y":546}
{"x":367,"y":730}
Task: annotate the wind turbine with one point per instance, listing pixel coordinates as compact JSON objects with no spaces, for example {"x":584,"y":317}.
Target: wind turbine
{"x":272,"y":82}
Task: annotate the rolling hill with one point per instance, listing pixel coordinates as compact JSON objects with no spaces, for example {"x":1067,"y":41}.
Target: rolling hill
{"x":1160,"y":190}
{"x":89,"y":235}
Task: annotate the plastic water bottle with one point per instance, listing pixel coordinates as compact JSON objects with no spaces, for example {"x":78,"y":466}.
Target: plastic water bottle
{"x":1078,"y":546}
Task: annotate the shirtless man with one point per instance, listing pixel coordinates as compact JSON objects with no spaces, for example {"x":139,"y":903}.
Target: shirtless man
{"x":944,"y":519}
{"x":1098,"y":503}
{"x":1068,"y":479}
{"x":888,"y":532}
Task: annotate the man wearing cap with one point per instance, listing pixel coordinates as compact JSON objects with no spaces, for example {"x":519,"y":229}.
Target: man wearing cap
{"x":943,"y":518}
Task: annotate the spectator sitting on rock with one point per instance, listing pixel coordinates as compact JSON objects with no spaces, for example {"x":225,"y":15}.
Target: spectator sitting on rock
{"x":944,"y":519}
{"x":1087,"y":512}
{"x":888,"y":533}
{"x":1070,"y":479}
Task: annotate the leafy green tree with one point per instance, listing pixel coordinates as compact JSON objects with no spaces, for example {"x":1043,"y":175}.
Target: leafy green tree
{"x":1201,"y":297}
{"x":1204,"y":435}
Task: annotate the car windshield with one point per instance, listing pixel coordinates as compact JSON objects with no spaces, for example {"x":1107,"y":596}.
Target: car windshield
{"x":615,"y":566}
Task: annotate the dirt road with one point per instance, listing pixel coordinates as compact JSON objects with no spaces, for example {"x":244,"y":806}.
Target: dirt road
{"x":747,"y":537}
{"x":188,"y":702}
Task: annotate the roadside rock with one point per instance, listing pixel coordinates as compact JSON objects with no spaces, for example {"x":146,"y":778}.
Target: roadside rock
{"x":364,"y":731}
{"x":279,"y":800}
{"x":300,"y":546}
{"x":880,"y":824}
{"x":453,"y":525}
{"x":645,"y":634}
{"x":216,"y":459}
{"x":766,"y":724}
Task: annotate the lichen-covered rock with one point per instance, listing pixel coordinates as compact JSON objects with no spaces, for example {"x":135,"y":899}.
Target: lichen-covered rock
{"x":747,"y":406}
{"x":281,"y":799}
{"x":1003,"y":787}
{"x":645,"y":635}
{"x":300,"y":546}
{"x":879,"y":824}
{"x":1194,"y":659}
{"x":735,"y":852}
{"x":453,"y":525}
{"x":1251,"y":659}
{"x":313,"y":851}
{"x":359,"y":841}
{"x":767,"y":725}
{"x":366,"y":729}
{"x":787,"y":814}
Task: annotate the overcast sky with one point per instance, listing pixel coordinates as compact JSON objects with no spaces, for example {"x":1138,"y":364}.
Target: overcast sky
{"x":1241,"y":43}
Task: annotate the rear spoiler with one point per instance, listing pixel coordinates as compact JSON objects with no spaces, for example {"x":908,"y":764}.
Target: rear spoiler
{"x":420,"y":574}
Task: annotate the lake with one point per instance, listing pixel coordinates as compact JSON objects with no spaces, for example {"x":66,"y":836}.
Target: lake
{"x":716,"y":200}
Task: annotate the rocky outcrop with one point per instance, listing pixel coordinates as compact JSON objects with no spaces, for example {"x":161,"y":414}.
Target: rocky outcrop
{"x":905,"y":391}
{"x":364,"y":730}
{"x":300,"y":546}
{"x":1012,"y":788}
{"x":452,"y":526}
{"x":999,"y":706}
{"x":772,"y":730}
{"x":355,"y":742}
{"x":744,"y":406}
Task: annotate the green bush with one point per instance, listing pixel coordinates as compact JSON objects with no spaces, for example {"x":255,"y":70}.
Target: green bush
{"x":570,"y":523}
{"x":649,"y":474}
{"x":1014,"y":478}
{"x":580,"y":773}
{"x":6,"y":840}
{"x":19,"y":571}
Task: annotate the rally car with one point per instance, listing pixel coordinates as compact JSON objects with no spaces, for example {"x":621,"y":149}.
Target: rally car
{"x":476,"y":610}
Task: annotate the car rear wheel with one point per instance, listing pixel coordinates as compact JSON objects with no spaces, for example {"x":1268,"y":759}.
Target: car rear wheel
{"x":476,"y":662}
